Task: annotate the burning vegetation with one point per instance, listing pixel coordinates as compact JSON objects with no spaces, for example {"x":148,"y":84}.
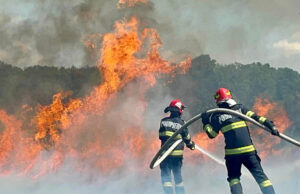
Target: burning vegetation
{"x":82,"y":129}
{"x":103,"y":129}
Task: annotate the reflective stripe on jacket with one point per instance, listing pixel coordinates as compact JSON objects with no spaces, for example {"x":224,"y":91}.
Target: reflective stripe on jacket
{"x":234,"y":129}
{"x":168,"y":126}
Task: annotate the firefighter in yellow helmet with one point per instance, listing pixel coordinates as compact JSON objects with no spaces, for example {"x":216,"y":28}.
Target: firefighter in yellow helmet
{"x":239,"y":148}
{"x":173,"y":162}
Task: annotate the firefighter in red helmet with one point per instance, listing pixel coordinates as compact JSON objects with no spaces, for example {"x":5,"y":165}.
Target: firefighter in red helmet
{"x":239,"y":148}
{"x":173,"y":162}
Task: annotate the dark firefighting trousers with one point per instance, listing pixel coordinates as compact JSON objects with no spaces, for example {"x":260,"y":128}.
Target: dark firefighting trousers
{"x":252,"y":163}
{"x":172,"y":165}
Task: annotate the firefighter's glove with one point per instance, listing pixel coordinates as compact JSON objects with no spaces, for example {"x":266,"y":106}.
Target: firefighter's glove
{"x":274,"y":131}
{"x":205,"y":118}
{"x":191,"y":145}
{"x":272,"y":128}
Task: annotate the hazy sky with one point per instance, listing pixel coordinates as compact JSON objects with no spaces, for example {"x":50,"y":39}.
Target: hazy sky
{"x":49,"y":32}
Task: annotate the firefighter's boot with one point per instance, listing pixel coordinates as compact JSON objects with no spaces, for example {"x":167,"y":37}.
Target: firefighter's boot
{"x":179,"y":188}
{"x":168,"y":187}
{"x":235,"y":186}
{"x":268,"y":190}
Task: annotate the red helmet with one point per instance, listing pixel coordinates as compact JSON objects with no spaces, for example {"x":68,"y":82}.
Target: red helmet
{"x":175,"y":105}
{"x":222,"y":95}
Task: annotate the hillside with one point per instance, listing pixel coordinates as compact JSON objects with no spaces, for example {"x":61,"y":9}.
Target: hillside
{"x":37,"y":84}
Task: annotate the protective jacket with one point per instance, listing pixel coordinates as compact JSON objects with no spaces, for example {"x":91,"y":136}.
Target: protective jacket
{"x":239,"y":148}
{"x":235,"y":130}
{"x":168,"y":126}
{"x":173,"y":163}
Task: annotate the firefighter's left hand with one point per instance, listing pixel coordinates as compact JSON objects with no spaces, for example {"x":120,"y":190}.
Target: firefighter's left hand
{"x":191,"y":145}
{"x":274,"y":131}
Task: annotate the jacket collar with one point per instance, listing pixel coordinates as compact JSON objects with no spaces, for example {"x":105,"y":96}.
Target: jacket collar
{"x":227,"y":104}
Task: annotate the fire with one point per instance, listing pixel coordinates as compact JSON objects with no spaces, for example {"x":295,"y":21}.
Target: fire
{"x":120,"y":65}
{"x":51,"y":119}
{"x":18,"y":152}
{"x":265,"y":142}
{"x":206,"y":143}
{"x":8,"y":139}
{"x":102,"y":130}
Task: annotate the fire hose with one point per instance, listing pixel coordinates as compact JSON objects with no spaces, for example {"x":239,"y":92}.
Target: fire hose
{"x":173,"y":146}
{"x":170,"y":145}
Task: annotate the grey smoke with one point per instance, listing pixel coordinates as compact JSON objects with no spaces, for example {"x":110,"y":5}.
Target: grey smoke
{"x":53,"y":32}
{"x":202,"y":177}
{"x":205,"y":177}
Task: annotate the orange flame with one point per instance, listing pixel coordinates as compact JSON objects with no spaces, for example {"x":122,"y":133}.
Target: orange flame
{"x":53,"y":118}
{"x":77,"y":129}
{"x":265,"y":142}
{"x":18,"y":152}
{"x":120,"y":65}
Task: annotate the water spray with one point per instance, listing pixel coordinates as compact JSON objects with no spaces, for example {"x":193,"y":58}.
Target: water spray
{"x":168,"y":146}
{"x":214,"y":158}
{"x":175,"y":144}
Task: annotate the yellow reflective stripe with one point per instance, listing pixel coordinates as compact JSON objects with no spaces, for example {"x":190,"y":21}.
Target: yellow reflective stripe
{"x":166,"y":133}
{"x":240,"y":150}
{"x":262,"y":120}
{"x":235,"y":125}
{"x":234,"y":182}
{"x":187,"y":137}
{"x":249,"y":113}
{"x":179,"y":184}
{"x":167,"y":184}
{"x":208,"y":128}
{"x":265,"y":183}
{"x":169,"y":134}
{"x":177,"y":153}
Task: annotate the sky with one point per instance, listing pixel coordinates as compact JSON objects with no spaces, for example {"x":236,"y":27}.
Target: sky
{"x":53,"y":33}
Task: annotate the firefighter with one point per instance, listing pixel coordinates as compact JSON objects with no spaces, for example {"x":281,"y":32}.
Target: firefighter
{"x":173,"y":162}
{"x":239,"y":148}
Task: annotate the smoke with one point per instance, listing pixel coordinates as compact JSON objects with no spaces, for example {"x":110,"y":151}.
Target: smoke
{"x":231,"y":31}
{"x":121,"y":163}
{"x":201,"y":178}
{"x":113,"y":151}
{"x":54,"y":32}
{"x":132,"y":174}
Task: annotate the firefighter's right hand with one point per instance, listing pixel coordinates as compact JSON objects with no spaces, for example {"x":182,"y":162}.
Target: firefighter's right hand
{"x":191,"y":145}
